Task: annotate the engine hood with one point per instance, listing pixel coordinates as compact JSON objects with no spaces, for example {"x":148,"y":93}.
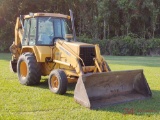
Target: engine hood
{"x":74,"y":46}
{"x":78,"y":44}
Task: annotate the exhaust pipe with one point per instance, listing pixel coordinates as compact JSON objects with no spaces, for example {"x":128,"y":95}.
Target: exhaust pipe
{"x":73,"y":27}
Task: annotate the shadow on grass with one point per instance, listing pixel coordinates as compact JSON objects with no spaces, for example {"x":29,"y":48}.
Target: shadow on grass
{"x":145,"y":107}
{"x":134,"y":61}
{"x":70,"y":89}
{"x":44,"y":85}
{"x":138,"y":107}
{"x":5,"y":56}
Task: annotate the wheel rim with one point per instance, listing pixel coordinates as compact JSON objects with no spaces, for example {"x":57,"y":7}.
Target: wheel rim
{"x":54,"y":82}
{"x":23,"y":69}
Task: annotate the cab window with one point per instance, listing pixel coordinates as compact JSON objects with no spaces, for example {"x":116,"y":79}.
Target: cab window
{"x":32,"y":36}
{"x":29,"y":37}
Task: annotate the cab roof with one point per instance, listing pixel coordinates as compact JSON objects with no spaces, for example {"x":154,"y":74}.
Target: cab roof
{"x":47,"y":14}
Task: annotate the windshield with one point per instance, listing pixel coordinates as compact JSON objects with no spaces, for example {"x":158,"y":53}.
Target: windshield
{"x":50,"y":29}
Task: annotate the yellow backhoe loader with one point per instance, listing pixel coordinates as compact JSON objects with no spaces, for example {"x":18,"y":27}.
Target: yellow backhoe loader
{"x":43,"y":47}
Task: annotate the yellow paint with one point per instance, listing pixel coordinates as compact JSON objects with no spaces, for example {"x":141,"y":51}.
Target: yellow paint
{"x":23,"y":69}
{"x":64,"y":55}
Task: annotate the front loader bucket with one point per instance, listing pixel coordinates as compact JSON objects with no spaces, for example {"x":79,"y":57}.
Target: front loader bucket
{"x":98,"y":90}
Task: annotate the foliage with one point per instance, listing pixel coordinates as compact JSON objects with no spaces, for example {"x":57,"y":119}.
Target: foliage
{"x":132,"y":46}
{"x":126,"y":45}
{"x":95,"y":19}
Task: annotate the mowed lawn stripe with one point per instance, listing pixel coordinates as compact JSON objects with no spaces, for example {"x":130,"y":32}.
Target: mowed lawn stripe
{"x":18,"y":102}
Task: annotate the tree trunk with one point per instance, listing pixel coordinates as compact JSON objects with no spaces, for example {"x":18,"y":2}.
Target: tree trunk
{"x":104,"y":29}
{"x":153,"y":34}
{"x":153,"y":30}
{"x":127,"y":30}
{"x":108,"y":31}
{"x":80,"y":26}
{"x":144,"y":27}
{"x":96,"y":32}
{"x":128,"y":24}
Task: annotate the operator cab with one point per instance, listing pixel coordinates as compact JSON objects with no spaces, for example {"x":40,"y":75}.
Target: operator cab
{"x":44,"y":30}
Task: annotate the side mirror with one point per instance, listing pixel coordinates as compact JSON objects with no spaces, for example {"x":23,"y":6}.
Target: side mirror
{"x":69,"y":37}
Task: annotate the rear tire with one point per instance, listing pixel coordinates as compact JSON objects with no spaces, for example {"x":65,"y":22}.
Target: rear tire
{"x":58,"y":82}
{"x":28,"y":69}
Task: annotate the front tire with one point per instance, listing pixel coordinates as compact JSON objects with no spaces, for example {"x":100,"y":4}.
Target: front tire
{"x":28,"y":69}
{"x":58,"y":82}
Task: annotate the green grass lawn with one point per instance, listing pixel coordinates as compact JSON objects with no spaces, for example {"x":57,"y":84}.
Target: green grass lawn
{"x":18,"y":102}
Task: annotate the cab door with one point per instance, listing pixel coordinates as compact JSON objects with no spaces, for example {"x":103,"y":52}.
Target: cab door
{"x":29,"y":38}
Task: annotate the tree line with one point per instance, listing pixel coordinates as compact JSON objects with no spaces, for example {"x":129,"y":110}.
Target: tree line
{"x":94,"y":19}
